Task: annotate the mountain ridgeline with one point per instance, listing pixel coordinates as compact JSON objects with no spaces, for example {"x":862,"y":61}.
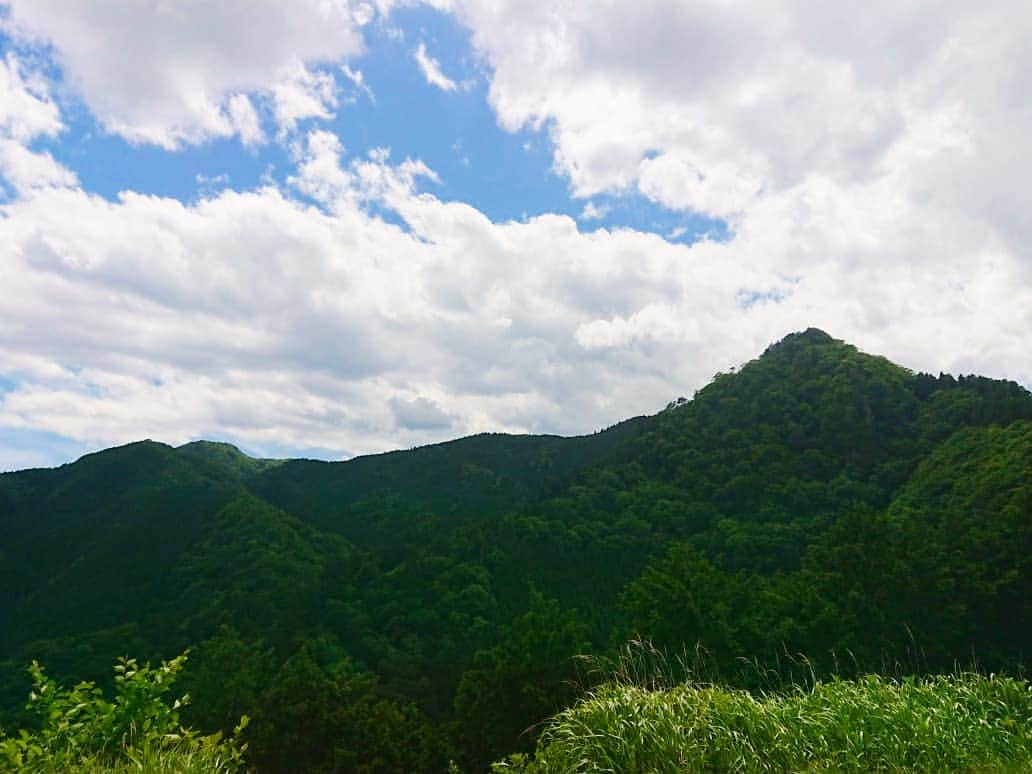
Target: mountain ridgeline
{"x":398,"y":611}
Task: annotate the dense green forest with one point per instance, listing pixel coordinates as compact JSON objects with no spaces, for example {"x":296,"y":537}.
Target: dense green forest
{"x":400,"y":611}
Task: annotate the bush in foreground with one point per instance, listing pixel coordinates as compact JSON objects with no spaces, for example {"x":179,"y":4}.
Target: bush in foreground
{"x":967,"y":722}
{"x":78,"y":730}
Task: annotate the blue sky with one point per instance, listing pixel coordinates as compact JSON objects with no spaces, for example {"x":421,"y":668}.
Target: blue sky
{"x":506,"y":175}
{"x":581,"y":214}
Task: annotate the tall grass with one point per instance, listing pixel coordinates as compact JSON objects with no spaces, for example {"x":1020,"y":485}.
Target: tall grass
{"x":964,"y":722}
{"x":149,"y":759}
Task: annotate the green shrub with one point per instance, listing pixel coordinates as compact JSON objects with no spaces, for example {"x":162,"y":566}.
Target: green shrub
{"x":77,"y":729}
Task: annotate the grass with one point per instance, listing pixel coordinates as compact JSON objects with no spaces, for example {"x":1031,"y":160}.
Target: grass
{"x":965,"y":723}
{"x":151,"y":759}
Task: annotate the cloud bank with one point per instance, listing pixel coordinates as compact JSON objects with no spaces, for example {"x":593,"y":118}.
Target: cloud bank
{"x":870,"y":163}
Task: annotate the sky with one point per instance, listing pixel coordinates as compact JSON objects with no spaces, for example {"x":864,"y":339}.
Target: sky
{"x":328,"y":228}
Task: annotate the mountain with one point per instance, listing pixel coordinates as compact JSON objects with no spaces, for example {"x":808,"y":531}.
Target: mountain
{"x":819,"y":499}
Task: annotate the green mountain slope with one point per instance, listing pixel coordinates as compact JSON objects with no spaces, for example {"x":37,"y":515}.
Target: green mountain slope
{"x":454,"y":481}
{"x":88,"y":543}
{"x":819,"y":499}
{"x":951,"y":556}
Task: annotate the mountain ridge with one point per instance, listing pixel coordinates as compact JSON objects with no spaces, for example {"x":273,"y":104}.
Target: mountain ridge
{"x":457,"y":577}
{"x":789,"y":346}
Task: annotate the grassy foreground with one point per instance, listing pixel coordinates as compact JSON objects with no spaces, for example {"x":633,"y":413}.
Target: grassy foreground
{"x":183,"y":758}
{"x":961,"y":723}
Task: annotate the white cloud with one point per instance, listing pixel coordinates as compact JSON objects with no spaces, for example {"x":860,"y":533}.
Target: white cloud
{"x":878,"y":143}
{"x":358,"y":79}
{"x":26,"y":108}
{"x":27,"y":112}
{"x":653,"y":322}
{"x":322,"y":176}
{"x":431,"y":70}
{"x":712,"y":106}
{"x":26,"y":170}
{"x":254,"y":317}
{"x":593,"y":211}
{"x":174,"y":73}
{"x":870,"y":161}
{"x":744,"y":85}
{"x":676,"y":180}
{"x":244,"y":120}
{"x":303,"y":94}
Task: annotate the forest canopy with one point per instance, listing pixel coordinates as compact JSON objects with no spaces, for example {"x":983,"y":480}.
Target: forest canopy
{"x":400,"y":611}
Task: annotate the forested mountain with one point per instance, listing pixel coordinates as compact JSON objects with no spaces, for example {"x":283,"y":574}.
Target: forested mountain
{"x":400,"y":610}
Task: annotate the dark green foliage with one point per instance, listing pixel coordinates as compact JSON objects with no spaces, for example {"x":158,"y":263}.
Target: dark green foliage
{"x":949,"y":558}
{"x":511,"y":687}
{"x":818,"y":500}
{"x":684,"y":599}
{"x":319,"y":714}
{"x":227,"y":677}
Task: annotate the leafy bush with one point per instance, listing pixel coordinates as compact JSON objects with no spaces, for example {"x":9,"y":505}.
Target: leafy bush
{"x":77,"y":729}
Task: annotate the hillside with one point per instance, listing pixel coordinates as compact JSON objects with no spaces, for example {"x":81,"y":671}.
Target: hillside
{"x":820,"y":500}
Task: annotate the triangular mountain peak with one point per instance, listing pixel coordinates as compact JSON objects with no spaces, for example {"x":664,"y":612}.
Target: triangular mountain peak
{"x":807,"y":354}
{"x":811,"y":337}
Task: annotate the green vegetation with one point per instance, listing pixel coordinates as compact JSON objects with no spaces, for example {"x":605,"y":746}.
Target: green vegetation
{"x":403,"y":610}
{"x":77,"y":729}
{"x":960,"y":723}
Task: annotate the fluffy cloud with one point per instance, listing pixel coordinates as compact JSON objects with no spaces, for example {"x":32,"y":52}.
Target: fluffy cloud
{"x":24,"y":170}
{"x":876,"y":151}
{"x":869,"y":160}
{"x":303,"y":94}
{"x":744,"y":96}
{"x":177,"y":72}
{"x":254,"y":317}
{"x":26,"y":109}
{"x":713,"y":106}
{"x":27,"y":112}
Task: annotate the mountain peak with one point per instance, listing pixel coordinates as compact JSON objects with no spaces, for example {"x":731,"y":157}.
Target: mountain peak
{"x":210,"y":447}
{"x":809,"y":337}
{"x":225,"y":455}
{"x":809,"y":347}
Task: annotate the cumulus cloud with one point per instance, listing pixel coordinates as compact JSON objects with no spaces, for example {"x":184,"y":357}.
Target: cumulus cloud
{"x":177,"y":73}
{"x":754,"y":89}
{"x":26,"y":108}
{"x":279,"y":324}
{"x":303,"y":94}
{"x":870,"y":161}
{"x":27,"y":112}
{"x":25,"y":170}
{"x":713,"y":106}
{"x":862,"y":141}
{"x":254,"y":316}
{"x":431,"y":70}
